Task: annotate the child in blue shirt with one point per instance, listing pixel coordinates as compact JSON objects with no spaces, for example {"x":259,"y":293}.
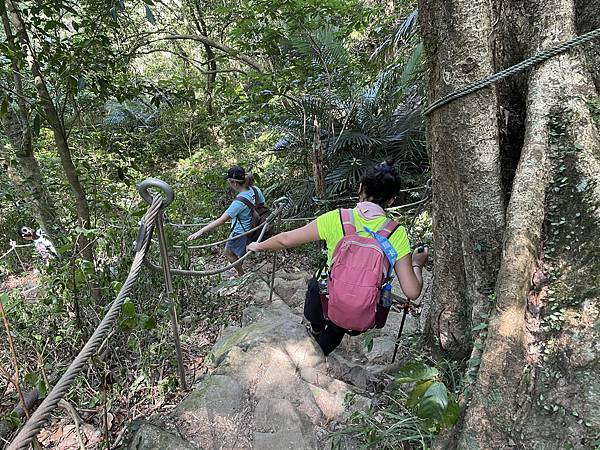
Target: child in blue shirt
{"x":239,"y":214}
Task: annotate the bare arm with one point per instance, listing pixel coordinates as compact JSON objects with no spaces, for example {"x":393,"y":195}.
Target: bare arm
{"x":299,"y":236}
{"x":211,"y":226}
{"x":409,"y":272}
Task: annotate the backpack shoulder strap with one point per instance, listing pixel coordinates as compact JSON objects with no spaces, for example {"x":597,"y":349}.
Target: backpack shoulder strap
{"x":347,"y":221}
{"x":389,"y":227}
{"x":256,"y":196}
{"x":246,"y":202}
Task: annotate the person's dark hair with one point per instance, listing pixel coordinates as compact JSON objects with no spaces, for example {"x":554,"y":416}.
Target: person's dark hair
{"x":249,"y":179}
{"x":381,"y":183}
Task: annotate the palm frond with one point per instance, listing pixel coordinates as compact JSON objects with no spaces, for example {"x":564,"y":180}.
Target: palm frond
{"x":404,"y":29}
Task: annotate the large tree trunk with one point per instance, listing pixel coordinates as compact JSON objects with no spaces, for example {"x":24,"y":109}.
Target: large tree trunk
{"x":537,"y":386}
{"x":511,"y":398}
{"x":26,"y":174}
{"x":27,"y":177}
{"x":587,"y":18}
{"x":60,"y":136}
{"x":468,"y":212}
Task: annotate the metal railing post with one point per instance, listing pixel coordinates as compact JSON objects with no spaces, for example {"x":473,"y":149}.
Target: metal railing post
{"x":272,"y":286}
{"x":164,"y":257}
{"x":274,"y":268}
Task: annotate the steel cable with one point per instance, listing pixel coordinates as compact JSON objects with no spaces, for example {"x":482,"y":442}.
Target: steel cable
{"x":519,"y":67}
{"x":41,"y":414}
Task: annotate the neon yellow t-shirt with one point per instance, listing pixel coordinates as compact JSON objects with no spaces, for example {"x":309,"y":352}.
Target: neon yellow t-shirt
{"x":330,"y":230}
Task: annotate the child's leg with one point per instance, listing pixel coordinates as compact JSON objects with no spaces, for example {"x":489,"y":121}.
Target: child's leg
{"x":232,"y":258}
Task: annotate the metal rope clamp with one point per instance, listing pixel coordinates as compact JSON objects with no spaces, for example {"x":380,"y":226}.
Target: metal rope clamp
{"x":143,"y":189}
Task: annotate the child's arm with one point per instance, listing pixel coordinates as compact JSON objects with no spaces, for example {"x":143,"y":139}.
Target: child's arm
{"x":211,"y":226}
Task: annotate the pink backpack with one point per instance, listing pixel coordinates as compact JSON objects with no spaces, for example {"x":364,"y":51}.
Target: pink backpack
{"x":358,"y":270}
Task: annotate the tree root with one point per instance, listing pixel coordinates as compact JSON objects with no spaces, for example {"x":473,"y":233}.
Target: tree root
{"x":65,"y":405}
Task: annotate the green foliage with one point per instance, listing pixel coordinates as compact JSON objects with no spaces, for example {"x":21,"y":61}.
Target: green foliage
{"x":420,"y":404}
{"x":429,"y":398}
{"x":360,"y":121}
{"x":416,"y":371}
{"x":135,"y":107}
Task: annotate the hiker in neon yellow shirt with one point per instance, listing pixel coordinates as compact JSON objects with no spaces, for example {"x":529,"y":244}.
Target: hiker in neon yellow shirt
{"x":378,"y":188}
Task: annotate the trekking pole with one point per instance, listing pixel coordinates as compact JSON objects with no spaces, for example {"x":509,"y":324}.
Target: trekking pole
{"x":406,"y":306}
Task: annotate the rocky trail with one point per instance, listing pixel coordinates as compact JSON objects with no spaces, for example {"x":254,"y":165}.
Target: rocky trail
{"x":271,"y":387}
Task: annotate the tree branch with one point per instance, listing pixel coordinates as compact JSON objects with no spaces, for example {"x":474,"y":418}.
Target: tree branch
{"x":193,"y":61}
{"x":205,"y":40}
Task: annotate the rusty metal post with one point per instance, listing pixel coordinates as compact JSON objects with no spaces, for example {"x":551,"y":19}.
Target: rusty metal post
{"x":164,"y":257}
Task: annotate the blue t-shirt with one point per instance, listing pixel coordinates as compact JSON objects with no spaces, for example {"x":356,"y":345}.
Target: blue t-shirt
{"x":241,"y":216}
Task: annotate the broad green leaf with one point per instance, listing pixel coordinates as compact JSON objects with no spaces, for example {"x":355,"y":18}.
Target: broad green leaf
{"x":65,"y":248}
{"x":32,"y":378}
{"x":368,"y":342}
{"x":452,"y":413}
{"x":416,"y":394}
{"x":416,"y":371}
{"x":434,"y":402}
{"x":481,"y":326}
{"x":473,"y":362}
{"x":149,"y":323}
{"x":41,"y":387}
{"x":128,"y":309}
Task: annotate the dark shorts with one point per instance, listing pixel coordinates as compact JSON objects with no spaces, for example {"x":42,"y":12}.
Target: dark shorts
{"x":238,"y":246}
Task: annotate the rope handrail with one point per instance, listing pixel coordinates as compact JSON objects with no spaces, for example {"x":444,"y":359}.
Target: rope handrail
{"x":223,"y":241}
{"x":283,"y":219}
{"x":42,"y":413}
{"x":13,"y":246}
{"x":280,"y":204}
{"x":201,"y":273}
{"x":519,"y":67}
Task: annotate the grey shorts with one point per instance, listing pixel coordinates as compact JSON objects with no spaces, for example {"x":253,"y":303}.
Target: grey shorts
{"x":237,"y":246}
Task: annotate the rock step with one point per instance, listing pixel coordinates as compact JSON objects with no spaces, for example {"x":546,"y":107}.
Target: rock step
{"x":272,"y":387}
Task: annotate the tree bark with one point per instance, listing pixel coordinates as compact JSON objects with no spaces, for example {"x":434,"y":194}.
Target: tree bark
{"x":506,"y":408}
{"x":211,"y":60}
{"x":317,"y":160}
{"x":60,"y":136}
{"x":588,"y":19}
{"x":27,"y":177}
{"x":468,"y":211}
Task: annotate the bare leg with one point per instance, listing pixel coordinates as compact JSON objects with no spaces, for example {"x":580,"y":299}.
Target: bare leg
{"x":232,"y":257}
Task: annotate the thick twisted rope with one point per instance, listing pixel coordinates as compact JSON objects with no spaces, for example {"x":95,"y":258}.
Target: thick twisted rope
{"x":42,"y":413}
{"x":519,"y":67}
